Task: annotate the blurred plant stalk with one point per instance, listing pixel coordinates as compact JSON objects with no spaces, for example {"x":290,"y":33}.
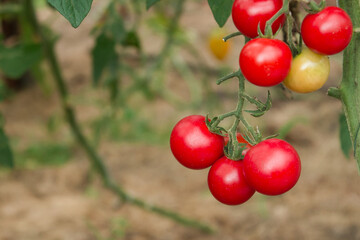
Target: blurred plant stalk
{"x":349,"y":90}
{"x":93,"y":156}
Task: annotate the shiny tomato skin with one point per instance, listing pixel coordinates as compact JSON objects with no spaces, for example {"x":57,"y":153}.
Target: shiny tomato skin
{"x":247,"y":14}
{"x":327,"y":32}
{"x":309,"y":72}
{"x":265,"y":62}
{"x":272,"y":167}
{"x":227,"y":182}
{"x":193,"y":145}
{"x":240,"y":140}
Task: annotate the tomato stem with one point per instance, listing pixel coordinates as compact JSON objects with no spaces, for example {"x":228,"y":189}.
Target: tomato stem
{"x":232,"y":35}
{"x":349,"y":87}
{"x":314,"y":7}
{"x":269,"y":23}
{"x":227,"y":77}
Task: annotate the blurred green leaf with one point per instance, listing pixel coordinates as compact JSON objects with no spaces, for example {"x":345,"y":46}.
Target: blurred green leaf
{"x":115,"y":25}
{"x":73,"y":10}
{"x":15,"y":61}
{"x":6,"y":155}
{"x":221,"y":10}
{"x":345,"y":140}
{"x":5,"y":92}
{"x":44,"y":153}
{"x":102,"y":55}
{"x":150,"y":3}
{"x":132,"y":40}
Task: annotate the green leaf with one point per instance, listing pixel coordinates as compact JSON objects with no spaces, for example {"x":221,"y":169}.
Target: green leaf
{"x":102,"y":55}
{"x":132,"y":40}
{"x":15,"y":61}
{"x":150,"y":3}
{"x":221,"y":10}
{"x":345,"y":140}
{"x":6,"y":155}
{"x":73,"y":10}
{"x":115,"y":26}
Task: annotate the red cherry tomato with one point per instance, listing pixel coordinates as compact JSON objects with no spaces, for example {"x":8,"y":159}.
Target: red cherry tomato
{"x":247,"y":14}
{"x":240,"y":140}
{"x":193,"y":145}
{"x":265,"y":62}
{"x":328,"y":31}
{"x":272,"y":167}
{"x":227,"y":183}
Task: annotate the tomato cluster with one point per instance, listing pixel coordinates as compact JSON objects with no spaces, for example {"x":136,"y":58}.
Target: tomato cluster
{"x":267,"y":62}
{"x":271,"y":167}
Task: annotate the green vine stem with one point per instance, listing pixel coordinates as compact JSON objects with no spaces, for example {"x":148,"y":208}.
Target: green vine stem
{"x":349,"y":87}
{"x":93,"y":156}
{"x":234,"y":149}
{"x":269,"y":23}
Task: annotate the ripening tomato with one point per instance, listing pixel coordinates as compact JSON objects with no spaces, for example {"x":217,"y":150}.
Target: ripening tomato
{"x":308,"y":73}
{"x":328,"y":31}
{"x":227,"y":183}
{"x":265,"y":62}
{"x":217,"y":46}
{"x":193,"y":145}
{"x":247,"y":14}
{"x":240,"y":140}
{"x":272,"y":167}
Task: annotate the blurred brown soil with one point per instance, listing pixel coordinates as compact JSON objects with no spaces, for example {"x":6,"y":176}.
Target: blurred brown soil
{"x":52,"y":203}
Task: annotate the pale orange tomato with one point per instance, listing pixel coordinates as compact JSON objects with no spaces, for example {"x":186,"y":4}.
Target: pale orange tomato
{"x":216,"y":44}
{"x":309,"y":71}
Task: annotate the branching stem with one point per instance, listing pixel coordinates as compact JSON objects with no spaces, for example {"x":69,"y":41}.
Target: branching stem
{"x":93,"y":156}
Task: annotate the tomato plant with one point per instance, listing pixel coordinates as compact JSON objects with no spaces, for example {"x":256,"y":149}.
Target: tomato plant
{"x":227,"y":183}
{"x":272,"y":167}
{"x":265,"y":62}
{"x":193,"y":145}
{"x":328,"y":31}
{"x":248,"y":14}
{"x":308,"y":73}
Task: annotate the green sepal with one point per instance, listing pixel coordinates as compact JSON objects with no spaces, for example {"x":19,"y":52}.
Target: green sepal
{"x":271,"y":136}
{"x":234,"y":151}
{"x":214,"y":128}
{"x":314,"y":7}
{"x":261,"y":107}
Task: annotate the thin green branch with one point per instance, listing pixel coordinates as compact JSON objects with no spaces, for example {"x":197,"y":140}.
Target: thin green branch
{"x":227,"y":77}
{"x":232,"y":35}
{"x":93,"y":156}
{"x":334,"y":92}
{"x":269,"y":23}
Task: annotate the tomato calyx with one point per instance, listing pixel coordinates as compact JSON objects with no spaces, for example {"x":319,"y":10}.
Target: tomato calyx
{"x":213,"y":125}
{"x":262,"y":108}
{"x":314,"y":7}
{"x":234,"y":150}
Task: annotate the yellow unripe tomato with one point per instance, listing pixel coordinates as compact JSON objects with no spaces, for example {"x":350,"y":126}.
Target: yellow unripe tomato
{"x":308,"y":73}
{"x":217,"y":46}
